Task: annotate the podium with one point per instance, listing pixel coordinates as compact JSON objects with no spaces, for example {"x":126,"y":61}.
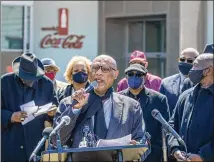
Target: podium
{"x":123,"y":153}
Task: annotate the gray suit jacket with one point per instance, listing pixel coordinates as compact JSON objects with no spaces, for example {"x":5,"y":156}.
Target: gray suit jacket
{"x":127,"y":118}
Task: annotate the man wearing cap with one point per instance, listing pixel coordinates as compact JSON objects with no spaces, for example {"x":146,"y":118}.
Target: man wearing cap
{"x":151,"y":81}
{"x":149,"y":100}
{"x":50,"y":71}
{"x":172,"y":86}
{"x":193,"y":117}
{"x":25,"y":84}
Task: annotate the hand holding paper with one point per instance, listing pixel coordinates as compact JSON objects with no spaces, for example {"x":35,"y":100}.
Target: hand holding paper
{"x":43,"y":109}
{"x":33,"y":111}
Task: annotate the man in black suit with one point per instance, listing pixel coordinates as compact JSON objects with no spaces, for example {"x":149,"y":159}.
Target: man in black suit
{"x":107,"y":114}
{"x":172,"y":86}
{"x":149,"y":100}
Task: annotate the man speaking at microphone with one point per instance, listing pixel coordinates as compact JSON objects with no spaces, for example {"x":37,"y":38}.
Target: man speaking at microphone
{"x":107,"y":114}
{"x":193,"y":117}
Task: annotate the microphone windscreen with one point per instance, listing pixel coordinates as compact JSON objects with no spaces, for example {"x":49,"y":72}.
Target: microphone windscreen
{"x":155,"y":112}
{"x":67,"y":119}
{"x":94,"y":84}
{"x":47,"y":131}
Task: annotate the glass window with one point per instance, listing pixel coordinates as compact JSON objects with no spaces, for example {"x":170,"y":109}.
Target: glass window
{"x":12,"y":33}
{"x":135,"y":36}
{"x":149,"y":36}
{"x":153,"y":36}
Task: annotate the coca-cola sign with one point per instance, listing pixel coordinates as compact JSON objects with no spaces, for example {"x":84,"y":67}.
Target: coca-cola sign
{"x":60,"y":37}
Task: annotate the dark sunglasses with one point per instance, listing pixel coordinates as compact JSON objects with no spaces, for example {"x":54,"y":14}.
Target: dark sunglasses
{"x":104,"y":68}
{"x":138,"y":75}
{"x":189,"y":60}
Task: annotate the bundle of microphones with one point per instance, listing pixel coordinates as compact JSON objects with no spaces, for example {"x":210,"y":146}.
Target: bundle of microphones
{"x":89,"y":139}
{"x":49,"y":132}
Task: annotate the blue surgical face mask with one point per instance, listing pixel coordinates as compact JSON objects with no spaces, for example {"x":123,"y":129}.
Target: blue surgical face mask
{"x":80,"y":77}
{"x":184,"y":67}
{"x":135,"y":82}
{"x":196,"y":76}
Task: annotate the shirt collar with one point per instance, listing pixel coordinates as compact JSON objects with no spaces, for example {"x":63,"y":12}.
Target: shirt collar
{"x":182,"y":77}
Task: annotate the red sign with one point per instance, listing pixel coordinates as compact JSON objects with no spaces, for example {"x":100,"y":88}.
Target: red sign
{"x":55,"y":40}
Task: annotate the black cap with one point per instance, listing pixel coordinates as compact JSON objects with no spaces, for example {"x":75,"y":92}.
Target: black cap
{"x":136,"y":67}
{"x":209,"y":48}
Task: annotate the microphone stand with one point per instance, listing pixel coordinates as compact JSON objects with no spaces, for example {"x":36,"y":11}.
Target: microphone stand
{"x":164,"y":147}
{"x":59,"y":147}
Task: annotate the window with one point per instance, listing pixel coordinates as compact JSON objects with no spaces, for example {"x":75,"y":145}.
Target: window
{"x":149,"y":36}
{"x":15,"y":27}
{"x":135,"y":36}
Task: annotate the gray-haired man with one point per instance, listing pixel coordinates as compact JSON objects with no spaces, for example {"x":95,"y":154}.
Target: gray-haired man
{"x":193,"y":116}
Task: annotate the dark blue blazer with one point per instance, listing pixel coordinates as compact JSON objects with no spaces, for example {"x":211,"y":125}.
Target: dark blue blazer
{"x":171,"y":87}
{"x":19,"y":141}
{"x":150,"y":100}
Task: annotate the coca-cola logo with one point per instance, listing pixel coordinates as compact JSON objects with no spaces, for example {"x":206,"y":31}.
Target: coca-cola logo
{"x":60,"y":37}
{"x":69,"y":42}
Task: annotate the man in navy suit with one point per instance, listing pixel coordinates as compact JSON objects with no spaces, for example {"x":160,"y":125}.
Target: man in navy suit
{"x":172,"y":85}
{"x":107,"y":114}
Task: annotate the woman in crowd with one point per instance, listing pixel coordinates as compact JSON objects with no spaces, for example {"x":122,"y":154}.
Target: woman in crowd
{"x":77,"y":75}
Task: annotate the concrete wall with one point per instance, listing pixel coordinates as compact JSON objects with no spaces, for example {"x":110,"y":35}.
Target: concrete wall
{"x":209,"y":22}
{"x":184,"y":21}
{"x":192,"y":24}
{"x":127,"y":9}
{"x":83,"y":20}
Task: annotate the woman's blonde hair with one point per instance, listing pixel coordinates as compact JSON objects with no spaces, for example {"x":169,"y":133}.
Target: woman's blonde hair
{"x":69,"y":70}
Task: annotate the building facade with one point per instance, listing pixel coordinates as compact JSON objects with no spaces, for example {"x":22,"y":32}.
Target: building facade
{"x":62,"y":29}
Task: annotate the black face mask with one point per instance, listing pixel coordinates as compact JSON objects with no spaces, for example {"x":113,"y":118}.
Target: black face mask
{"x":196,"y":76}
{"x":184,"y":67}
{"x":80,"y":77}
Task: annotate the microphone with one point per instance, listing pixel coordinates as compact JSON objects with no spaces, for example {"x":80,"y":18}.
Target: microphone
{"x":46,"y":132}
{"x":64,"y":121}
{"x":157,"y":115}
{"x":91,"y":86}
{"x":84,"y":142}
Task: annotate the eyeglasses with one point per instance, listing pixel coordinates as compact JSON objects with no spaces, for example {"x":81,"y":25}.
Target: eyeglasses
{"x":138,"y":75}
{"x":189,"y":60}
{"x":104,"y":68}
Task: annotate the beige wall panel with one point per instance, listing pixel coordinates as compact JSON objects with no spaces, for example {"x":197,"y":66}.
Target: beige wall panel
{"x":113,"y":7}
{"x":160,"y":6}
{"x":138,"y":7}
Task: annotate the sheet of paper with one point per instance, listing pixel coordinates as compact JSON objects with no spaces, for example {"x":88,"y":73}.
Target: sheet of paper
{"x":123,"y":141}
{"x":43,"y":109}
{"x":29,"y":108}
{"x":28,"y":119}
{"x":29,"y":104}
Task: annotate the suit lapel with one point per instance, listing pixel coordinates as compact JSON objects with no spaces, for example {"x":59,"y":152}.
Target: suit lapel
{"x":144,"y":98}
{"x":88,"y":110}
{"x":175,"y":84}
{"x":117,"y":111}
